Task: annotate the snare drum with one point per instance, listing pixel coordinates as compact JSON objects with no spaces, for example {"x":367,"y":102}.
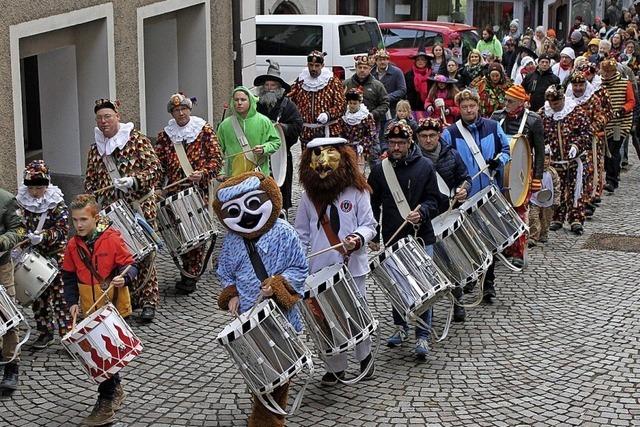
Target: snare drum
{"x":33,"y":274}
{"x":337,"y":315}
{"x":409,"y":278}
{"x":493,"y":218}
{"x":517,"y":172}
{"x":103,"y":343}
{"x":184,"y":221}
{"x":123,"y":219}
{"x":459,"y":251}
{"x":266,"y":349}
{"x":10,"y":316}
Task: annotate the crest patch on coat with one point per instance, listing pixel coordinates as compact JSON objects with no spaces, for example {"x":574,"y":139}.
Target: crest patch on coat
{"x":346,"y":206}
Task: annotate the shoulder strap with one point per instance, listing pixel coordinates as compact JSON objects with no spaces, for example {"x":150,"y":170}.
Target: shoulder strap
{"x":86,"y":260}
{"x":256,"y":261}
{"x":473,"y":147}
{"x":396,"y":191}
{"x":43,"y":218}
{"x":442,"y":185}
{"x":112,"y":168}
{"x":242,"y":139}
{"x":523,"y":122}
{"x":182,"y":158}
{"x":326,"y":226}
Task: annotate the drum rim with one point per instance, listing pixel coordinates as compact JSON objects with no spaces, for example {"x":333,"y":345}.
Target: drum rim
{"x":451,"y":229}
{"x":314,"y":291}
{"x":260,"y":312}
{"x":484,"y":194}
{"x":179,"y":195}
{"x":507,"y":172}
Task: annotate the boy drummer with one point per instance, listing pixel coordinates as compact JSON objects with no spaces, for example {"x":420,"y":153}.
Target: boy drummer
{"x":83,"y":277}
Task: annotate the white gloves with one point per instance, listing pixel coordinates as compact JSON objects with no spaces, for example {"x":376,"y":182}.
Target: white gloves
{"x":35,"y":239}
{"x":573,"y":152}
{"x":323,"y":118}
{"x":124,"y":184}
{"x":439,"y":102}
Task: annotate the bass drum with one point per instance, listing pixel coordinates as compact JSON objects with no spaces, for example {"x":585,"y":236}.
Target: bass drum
{"x":517,"y":172}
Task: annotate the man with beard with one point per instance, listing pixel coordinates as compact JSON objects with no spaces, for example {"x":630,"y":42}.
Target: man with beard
{"x":320,"y":99}
{"x":516,"y":119}
{"x":568,"y":133}
{"x":273,"y":103}
{"x":335,"y":208}
{"x":416,"y":177}
{"x":622,"y":102}
{"x":582,"y":93}
{"x":537,"y":82}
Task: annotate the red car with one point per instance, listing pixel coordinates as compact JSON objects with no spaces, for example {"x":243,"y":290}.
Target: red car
{"x":403,"y":39}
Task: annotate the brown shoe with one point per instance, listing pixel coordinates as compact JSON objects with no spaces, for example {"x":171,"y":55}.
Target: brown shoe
{"x":118,"y":397}
{"x":102,"y":413}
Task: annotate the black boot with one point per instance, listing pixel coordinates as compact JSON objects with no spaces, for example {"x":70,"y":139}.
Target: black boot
{"x":186,"y":286}
{"x":148,"y":313}
{"x":10,"y":377}
{"x":489,"y":292}
{"x":364,"y":364}
{"x":459,"y":313}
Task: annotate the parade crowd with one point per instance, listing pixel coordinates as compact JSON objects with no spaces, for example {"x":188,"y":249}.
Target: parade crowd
{"x":377,"y":151}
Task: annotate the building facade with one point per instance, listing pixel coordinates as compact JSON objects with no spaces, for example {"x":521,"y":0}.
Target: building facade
{"x":61,"y":55}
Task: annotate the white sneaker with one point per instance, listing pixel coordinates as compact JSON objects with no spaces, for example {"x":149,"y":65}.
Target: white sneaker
{"x":422,"y":347}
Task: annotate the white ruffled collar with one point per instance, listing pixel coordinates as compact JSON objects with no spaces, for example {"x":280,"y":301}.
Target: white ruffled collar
{"x":569,"y":105}
{"x":311,"y":84}
{"x":119,"y":140}
{"x":585,"y":96}
{"x":187,"y":133}
{"x":52,"y":196}
{"x":353,"y":119}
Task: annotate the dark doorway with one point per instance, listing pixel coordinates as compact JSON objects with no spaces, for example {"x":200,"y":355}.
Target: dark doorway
{"x":353,"y":7}
{"x":286,"y":8}
{"x":31,"y":103}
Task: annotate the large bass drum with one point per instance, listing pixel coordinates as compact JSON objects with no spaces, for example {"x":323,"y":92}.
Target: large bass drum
{"x":517,"y":172}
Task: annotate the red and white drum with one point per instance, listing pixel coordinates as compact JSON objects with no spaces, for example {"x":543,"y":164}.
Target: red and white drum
{"x":103,"y":343}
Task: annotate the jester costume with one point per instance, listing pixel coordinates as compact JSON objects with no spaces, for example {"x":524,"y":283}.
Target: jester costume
{"x":50,"y":309}
{"x":203,"y":153}
{"x":315,"y":96}
{"x":359,"y":129}
{"x":564,"y":129}
{"x":134,"y":156}
{"x":492,"y":94}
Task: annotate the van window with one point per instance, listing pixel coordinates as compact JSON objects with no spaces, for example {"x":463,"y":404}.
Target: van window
{"x":470,"y":38}
{"x":296,"y":40}
{"x":398,"y":38}
{"x":359,"y":37}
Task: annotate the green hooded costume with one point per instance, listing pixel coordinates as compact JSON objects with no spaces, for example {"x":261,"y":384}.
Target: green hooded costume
{"x":259,"y":131}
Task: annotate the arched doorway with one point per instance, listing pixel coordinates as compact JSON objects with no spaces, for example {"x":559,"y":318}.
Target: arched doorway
{"x":286,"y":8}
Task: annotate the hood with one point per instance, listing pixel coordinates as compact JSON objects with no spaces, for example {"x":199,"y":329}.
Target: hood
{"x":253,"y":101}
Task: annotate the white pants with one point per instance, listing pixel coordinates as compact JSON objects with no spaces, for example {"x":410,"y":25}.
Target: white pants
{"x":338,"y":363}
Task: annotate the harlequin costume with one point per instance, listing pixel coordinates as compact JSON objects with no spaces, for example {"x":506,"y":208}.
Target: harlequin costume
{"x":492,"y":95}
{"x":565,"y":131}
{"x":359,"y":128}
{"x":200,"y":144}
{"x":134,"y":157}
{"x":46,"y":221}
{"x":248,"y":206}
{"x":320,"y":99}
{"x":337,"y":192}
{"x":82,"y":287}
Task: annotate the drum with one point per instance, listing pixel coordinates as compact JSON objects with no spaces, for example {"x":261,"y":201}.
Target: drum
{"x":517,"y":172}
{"x":279,"y":158}
{"x":409,"y":278}
{"x":266,"y":349}
{"x":33,"y":274}
{"x":103,"y":343}
{"x":459,"y":251}
{"x":184,"y":221}
{"x":337,"y":315}
{"x":495,"y":221}
{"x":123,"y":219}
{"x":10,"y":316}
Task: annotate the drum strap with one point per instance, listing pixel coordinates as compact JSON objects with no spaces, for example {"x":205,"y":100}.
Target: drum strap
{"x":242,"y":139}
{"x":86,"y":260}
{"x":332,"y":237}
{"x":41,"y":221}
{"x":112,"y":168}
{"x":396,"y":191}
{"x":256,"y":261}
{"x":182,"y":158}
{"x":523,"y":122}
{"x":473,"y":147}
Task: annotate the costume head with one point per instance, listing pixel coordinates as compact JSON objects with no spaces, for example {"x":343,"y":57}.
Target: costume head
{"x":248,"y":204}
{"x":106,"y":103}
{"x":179,"y":99}
{"x":327,"y":167}
{"x":36,"y":174}
{"x":273,"y":75}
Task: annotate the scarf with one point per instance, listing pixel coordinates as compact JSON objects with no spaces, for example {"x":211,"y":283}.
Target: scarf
{"x":184,"y":134}
{"x":514,"y":115}
{"x":432,"y":155}
{"x":565,"y":67}
{"x":353,"y":119}
{"x":311,"y":84}
{"x":52,"y":196}
{"x":420,"y":81}
{"x":119,"y":140}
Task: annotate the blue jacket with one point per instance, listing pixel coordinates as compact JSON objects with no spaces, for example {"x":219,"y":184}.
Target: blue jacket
{"x":493,"y":142}
{"x":453,"y":171}
{"x":417,"y":178}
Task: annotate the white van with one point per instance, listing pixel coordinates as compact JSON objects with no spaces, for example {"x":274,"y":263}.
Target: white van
{"x":288,"y":39}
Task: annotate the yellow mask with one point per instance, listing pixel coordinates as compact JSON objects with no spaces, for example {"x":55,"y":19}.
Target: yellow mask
{"x":325,"y":160}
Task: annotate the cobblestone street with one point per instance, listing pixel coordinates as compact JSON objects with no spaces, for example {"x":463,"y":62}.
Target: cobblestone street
{"x":560,"y":346}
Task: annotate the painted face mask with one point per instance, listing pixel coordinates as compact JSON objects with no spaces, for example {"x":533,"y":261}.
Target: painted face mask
{"x":324,"y":160}
{"x":247,"y":213}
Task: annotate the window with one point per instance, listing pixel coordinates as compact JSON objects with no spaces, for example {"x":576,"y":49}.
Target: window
{"x":398,"y":38}
{"x":470,"y":39}
{"x":429,"y":38}
{"x":295,"y":40}
{"x":359,"y":37}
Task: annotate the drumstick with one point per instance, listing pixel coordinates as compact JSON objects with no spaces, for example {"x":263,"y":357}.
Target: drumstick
{"x":100,"y":190}
{"x":406,"y":221}
{"x":24,"y":242}
{"x":111,"y":285}
{"x":175,"y":183}
{"x":237,"y":154}
{"x":330,"y":248}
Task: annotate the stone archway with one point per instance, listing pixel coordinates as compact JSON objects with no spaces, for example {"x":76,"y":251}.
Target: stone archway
{"x":286,"y":7}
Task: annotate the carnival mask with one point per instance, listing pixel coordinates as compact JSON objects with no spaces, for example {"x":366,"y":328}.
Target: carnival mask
{"x":324,"y":160}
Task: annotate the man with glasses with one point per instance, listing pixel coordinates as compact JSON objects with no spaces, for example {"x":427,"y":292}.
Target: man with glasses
{"x":123,"y":165}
